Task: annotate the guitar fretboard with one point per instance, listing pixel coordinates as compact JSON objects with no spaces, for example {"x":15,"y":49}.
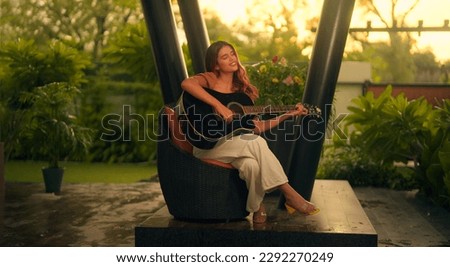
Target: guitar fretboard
{"x":267,"y":109}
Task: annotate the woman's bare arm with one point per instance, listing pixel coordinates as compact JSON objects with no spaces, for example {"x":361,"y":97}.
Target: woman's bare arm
{"x":264,"y":125}
{"x":193,"y":87}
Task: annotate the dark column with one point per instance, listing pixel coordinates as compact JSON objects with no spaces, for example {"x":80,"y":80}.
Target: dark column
{"x":196,"y":33}
{"x":166,"y":49}
{"x":319,"y":90}
{"x":2,"y":181}
{"x":2,"y":170}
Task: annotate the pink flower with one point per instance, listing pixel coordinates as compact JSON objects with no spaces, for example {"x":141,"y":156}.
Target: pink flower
{"x":288,"y":81}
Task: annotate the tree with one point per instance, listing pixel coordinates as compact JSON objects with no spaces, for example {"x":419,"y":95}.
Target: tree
{"x":428,"y":69}
{"x":400,"y":66}
{"x":130,"y":51}
{"x":445,"y":72}
{"x":83,"y":24}
{"x":265,"y":32}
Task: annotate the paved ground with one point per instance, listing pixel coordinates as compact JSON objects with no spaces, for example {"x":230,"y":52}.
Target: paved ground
{"x":83,"y":215}
{"x":403,"y":219}
{"x":106,"y":214}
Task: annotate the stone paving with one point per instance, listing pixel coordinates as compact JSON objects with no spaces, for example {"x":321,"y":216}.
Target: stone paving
{"x":106,"y":214}
{"x":82,"y":215}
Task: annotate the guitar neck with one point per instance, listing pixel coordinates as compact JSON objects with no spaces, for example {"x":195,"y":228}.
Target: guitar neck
{"x":267,"y":109}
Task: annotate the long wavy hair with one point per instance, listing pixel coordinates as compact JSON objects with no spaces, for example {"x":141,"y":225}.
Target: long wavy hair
{"x":240,"y":78}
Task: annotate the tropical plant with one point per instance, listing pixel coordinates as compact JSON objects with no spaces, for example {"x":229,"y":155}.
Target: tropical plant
{"x":129,"y":61}
{"x":53,"y":133}
{"x":393,"y":129}
{"x":130,"y":50}
{"x":25,"y":66}
{"x":279,"y":83}
{"x":347,"y":159}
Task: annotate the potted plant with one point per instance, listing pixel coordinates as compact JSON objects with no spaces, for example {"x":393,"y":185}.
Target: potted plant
{"x":53,"y":132}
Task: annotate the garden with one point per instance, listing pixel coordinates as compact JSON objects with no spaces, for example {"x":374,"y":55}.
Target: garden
{"x":91,"y":112}
{"x":390,"y":141}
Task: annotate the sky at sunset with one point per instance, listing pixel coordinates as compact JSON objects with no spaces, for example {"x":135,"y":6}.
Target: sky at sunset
{"x":432,"y":12}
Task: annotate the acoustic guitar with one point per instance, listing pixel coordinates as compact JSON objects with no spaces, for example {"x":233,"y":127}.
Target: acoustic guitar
{"x":203,"y":127}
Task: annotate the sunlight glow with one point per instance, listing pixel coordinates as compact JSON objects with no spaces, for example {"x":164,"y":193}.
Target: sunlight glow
{"x":432,"y":12}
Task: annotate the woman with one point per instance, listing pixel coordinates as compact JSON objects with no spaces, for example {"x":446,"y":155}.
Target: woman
{"x":248,"y":153}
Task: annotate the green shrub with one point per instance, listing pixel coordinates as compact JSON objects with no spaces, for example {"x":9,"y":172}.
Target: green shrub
{"x":279,"y":83}
{"x":120,"y":140}
{"x":25,"y":66}
{"x":127,"y":55}
{"x":54,"y":133}
{"x":392,"y":129}
{"x":346,"y":159}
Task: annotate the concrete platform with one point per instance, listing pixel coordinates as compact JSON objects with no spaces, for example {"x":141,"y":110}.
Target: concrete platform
{"x":341,"y":222}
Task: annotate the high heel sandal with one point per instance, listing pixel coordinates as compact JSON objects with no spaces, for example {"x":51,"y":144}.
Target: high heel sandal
{"x":260,"y":216}
{"x":292,"y":210}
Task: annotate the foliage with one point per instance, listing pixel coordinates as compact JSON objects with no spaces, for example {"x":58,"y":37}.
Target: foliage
{"x":346,"y":159}
{"x":273,"y":31}
{"x":393,"y":61}
{"x":390,"y":62}
{"x":83,"y":24}
{"x":217,"y":30}
{"x":391,"y":124}
{"x":53,"y":132}
{"x":25,"y":66}
{"x":130,"y":51}
{"x":393,"y":129}
{"x":435,"y":162}
{"x":279,"y":83}
{"x":263,"y":32}
{"x":124,"y":113}
{"x":428,"y":69}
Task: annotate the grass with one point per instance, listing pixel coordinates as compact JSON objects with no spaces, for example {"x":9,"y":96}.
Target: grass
{"x":81,"y":172}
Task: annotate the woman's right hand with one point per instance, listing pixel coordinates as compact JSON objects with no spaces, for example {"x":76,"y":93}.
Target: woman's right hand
{"x":224,"y":112}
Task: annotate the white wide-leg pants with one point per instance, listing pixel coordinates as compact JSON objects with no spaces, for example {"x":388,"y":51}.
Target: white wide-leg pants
{"x":257,"y":165}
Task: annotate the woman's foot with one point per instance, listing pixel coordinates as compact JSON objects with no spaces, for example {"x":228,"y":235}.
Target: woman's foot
{"x":295,"y":202}
{"x":260,"y":216}
{"x":306,"y":208}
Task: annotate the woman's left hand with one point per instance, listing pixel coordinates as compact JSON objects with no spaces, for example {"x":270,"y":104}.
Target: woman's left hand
{"x":264,"y":125}
{"x":298,"y":111}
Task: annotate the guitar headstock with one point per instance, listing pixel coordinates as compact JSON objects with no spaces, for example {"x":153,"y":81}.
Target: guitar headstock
{"x":314,"y":111}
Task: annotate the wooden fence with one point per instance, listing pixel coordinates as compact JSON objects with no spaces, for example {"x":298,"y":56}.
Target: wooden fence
{"x":434,"y":93}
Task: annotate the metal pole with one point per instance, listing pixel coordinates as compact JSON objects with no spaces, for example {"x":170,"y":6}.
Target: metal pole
{"x":166,"y":49}
{"x":196,"y":33}
{"x":320,"y":86}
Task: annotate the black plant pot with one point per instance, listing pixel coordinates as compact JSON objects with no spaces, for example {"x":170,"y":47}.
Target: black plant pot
{"x":53,"y":179}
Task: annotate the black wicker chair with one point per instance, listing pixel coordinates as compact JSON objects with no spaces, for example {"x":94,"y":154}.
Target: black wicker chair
{"x":195,"y":189}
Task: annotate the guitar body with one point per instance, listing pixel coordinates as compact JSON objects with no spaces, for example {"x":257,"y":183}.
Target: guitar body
{"x":203,"y":127}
